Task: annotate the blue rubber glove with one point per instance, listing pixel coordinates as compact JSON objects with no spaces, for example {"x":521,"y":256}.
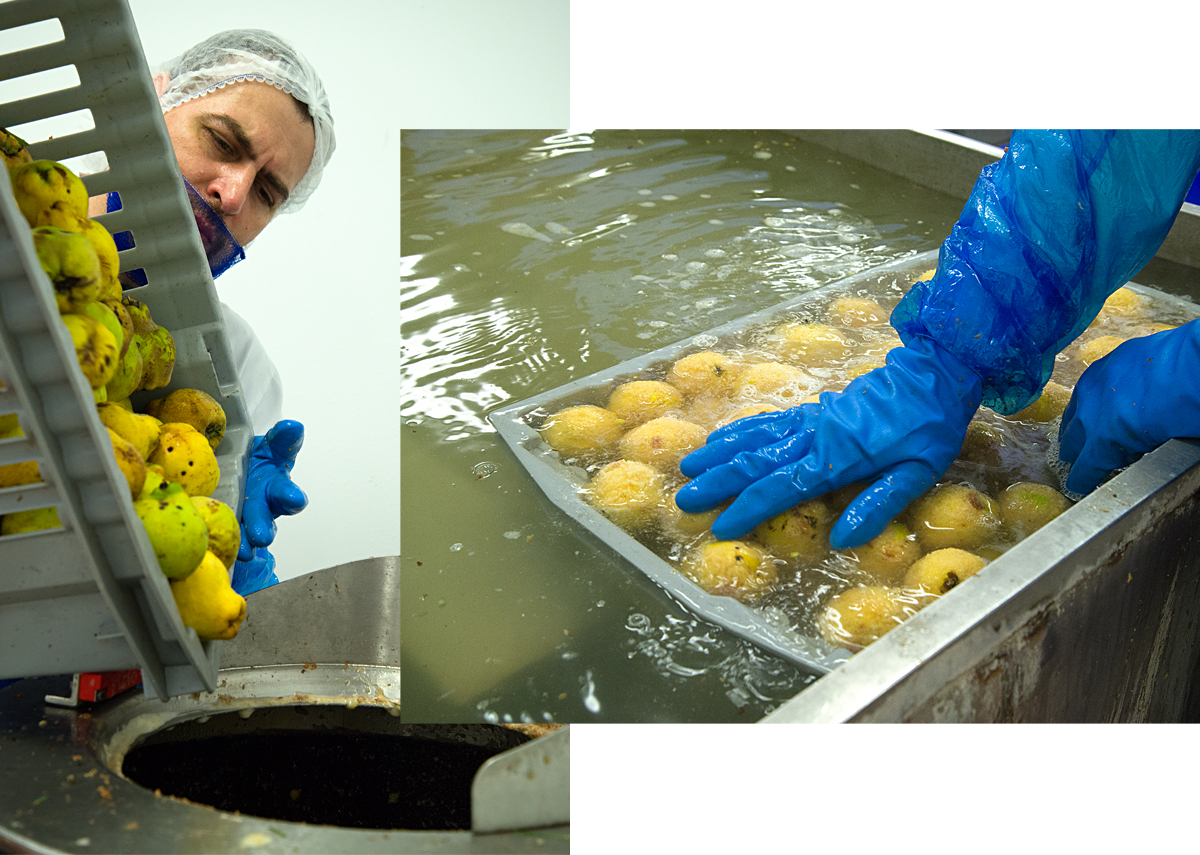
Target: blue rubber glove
{"x":254,"y":569}
{"x":898,"y":427}
{"x":270,"y":493}
{"x":1130,"y":402}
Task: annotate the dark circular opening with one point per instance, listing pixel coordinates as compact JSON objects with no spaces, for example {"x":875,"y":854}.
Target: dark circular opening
{"x":356,"y":768}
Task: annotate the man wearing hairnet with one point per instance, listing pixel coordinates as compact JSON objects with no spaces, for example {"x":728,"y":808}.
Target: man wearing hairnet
{"x":1054,"y":227}
{"x":252,"y":132}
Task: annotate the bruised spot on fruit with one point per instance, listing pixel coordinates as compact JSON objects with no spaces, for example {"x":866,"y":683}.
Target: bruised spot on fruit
{"x":67,"y":284}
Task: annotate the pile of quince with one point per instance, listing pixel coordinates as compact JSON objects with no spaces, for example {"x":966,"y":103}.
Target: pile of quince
{"x":166,"y":453}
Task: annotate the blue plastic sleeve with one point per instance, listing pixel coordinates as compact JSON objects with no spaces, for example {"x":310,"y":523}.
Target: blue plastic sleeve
{"x":1050,"y":230}
{"x":256,"y":574}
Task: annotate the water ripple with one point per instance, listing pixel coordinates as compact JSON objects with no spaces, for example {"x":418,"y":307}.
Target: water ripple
{"x":541,"y":272}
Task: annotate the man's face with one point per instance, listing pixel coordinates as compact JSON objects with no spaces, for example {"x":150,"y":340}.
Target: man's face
{"x":244,"y":148}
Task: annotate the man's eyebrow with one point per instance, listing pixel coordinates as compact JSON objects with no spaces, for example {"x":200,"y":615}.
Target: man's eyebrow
{"x":238,"y":132}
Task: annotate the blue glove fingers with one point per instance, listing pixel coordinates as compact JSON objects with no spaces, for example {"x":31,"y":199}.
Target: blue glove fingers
{"x":258,"y":525}
{"x":269,"y":489}
{"x":1084,"y":477}
{"x":284,"y":441}
{"x":878,"y":504}
{"x":1071,"y":436}
{"x":721,"y":482}
{"x":284,"y":498}
{"x":770,"y":496}
{"x":254,"y":574}
{"x":722,"y":450}
{"x":245,"y":548}
{"x":748,"y":434}
{"x":1099,"y":456}
{"x":759,"y":420}
{"x":1128,"y":403}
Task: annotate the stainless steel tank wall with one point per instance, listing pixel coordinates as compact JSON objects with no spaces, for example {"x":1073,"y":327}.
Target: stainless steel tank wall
{"x":950,"y":163}
{"x":1092,"y":620}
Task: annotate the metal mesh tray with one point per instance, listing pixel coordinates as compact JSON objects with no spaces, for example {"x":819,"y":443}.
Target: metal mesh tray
{"x":89,"y":596}
{"x":562,"y":482}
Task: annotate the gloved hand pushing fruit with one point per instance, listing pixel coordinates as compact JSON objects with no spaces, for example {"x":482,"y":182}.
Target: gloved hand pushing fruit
{"x":897,"y":428}
{"x":1130,"y":402}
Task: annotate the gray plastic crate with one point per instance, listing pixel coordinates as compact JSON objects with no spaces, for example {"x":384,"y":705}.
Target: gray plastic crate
{"x":89,"y":596}
{"x":562,"y":482}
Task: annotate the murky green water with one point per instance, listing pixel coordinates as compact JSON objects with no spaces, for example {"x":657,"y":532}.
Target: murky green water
{"x":530,"y":260}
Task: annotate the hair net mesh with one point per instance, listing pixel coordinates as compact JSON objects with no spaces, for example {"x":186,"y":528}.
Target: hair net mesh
{"x":233,"y":56}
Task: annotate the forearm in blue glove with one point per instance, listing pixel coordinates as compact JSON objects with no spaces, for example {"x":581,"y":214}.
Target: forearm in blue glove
{"x":1130,"y":402}
{"x":1049,"y":231}
{"x":270,"y":492}
{"x":898,"y":428}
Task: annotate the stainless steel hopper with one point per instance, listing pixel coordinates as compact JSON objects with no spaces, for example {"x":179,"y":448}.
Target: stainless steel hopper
{"x":318,"y":654}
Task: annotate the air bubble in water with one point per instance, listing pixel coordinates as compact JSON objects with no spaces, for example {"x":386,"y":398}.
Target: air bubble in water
{"x":637,"y":622}
{"x":590,"y":702}
{"x":484,"y":469}
{"x":525,"y":230}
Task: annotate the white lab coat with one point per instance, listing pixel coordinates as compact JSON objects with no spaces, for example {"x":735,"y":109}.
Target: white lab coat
{"x":262,"y":387}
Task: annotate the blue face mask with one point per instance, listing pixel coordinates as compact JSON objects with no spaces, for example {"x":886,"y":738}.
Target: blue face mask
{"x":221,"y":247}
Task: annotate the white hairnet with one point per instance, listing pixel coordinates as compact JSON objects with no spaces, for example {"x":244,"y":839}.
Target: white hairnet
{"x":236,"y":55}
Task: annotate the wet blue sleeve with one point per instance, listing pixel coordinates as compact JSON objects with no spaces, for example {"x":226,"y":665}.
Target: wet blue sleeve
{"x":1049,"y":232}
